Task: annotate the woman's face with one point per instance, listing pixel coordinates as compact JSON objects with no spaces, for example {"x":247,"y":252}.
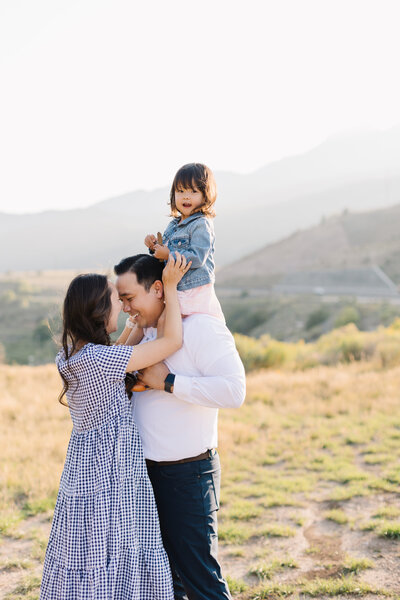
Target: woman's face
{"x":112,"y":324}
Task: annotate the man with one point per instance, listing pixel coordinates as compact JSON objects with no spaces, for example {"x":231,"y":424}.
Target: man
{"x":177,"y":421}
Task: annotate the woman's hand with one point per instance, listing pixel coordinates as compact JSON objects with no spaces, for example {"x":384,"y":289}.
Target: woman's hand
{"x":175,"y":269}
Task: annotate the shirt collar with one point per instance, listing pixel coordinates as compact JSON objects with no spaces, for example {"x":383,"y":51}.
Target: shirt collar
{"x":189,"y":219}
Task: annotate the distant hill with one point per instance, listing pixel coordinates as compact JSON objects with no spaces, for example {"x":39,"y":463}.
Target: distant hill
{"x":355,"y":172}
{"x":347,"y":241}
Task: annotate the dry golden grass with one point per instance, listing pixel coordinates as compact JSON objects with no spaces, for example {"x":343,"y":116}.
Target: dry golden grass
{"x":305,"y":448}
{"x":34,"y":433}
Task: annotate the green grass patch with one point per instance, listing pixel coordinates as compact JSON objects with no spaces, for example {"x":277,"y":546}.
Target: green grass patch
{"x":387,"y":512}
{"x":278,"y":530}
{"x":315,"y":589}
{"x":346,"y":492}
{"x":13,"y":564}
{"x":39,"y":544}
{"x":28,"y":589}
{"x":377,"y":459}
{"x":393,"y":475}
{"x":273,"y":499}
{"x":382,"y":485}
{"x":9,"y":522}
{"x":37,"y":506}
{"x":368,"y":525}
{"x":337,"y":515}
{"x":265,"y":570}
{"x":236,"y":586}
{"x":234,"y":533}
{"x":390,"y":530}
{"x":243,"y":510}
{"x":347,"y":475}
{"x":298,"y":519}
{"x":336,"y":587}
{"x":355,"y":565}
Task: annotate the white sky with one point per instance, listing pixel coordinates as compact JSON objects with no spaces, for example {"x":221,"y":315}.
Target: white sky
{"x":101,"y":97}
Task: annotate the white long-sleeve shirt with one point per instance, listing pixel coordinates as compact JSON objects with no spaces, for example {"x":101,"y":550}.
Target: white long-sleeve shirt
{"x":209,"y":376}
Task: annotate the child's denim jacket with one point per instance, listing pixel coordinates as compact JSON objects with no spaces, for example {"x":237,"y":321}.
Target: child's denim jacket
{"x":194,"y":238}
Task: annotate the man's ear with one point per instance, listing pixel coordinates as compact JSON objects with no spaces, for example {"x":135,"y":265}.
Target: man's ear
{"x":157,"y":289}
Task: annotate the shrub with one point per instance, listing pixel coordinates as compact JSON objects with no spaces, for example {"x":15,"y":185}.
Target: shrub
{"x":317,"y":317}
{"x":348,"y":314}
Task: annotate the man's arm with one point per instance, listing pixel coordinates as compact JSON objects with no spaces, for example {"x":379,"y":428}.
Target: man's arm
{"x":222,"y":383}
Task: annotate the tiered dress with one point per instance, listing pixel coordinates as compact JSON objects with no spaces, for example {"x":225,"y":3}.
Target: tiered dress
{"x":105,"y":541}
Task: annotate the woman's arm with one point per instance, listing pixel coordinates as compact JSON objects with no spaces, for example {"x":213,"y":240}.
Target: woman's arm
{"x":145,"y":355}
{"x":131,"y":335}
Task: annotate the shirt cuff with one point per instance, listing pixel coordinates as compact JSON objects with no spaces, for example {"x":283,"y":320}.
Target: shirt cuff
{"x":182,"y":387}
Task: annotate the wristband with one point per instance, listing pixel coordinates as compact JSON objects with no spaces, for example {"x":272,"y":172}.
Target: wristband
{"x":129,"y":324}
{"x":169,"y":383}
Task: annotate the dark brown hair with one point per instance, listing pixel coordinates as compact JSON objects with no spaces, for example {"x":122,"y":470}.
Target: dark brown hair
{"x":86,"y":310}
{"x":146,"y":268}
{"x":199,"y":176}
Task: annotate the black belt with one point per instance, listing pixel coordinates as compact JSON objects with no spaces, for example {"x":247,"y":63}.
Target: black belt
{"x":164,"y":463}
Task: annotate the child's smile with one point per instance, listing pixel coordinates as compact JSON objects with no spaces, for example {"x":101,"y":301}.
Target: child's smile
{"x":187,"y":200}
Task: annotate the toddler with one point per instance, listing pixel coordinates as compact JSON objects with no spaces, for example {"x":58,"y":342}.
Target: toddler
{"x":191,"y":233}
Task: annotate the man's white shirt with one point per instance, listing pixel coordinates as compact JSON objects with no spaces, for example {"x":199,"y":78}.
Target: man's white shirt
{"x":209,"y":375}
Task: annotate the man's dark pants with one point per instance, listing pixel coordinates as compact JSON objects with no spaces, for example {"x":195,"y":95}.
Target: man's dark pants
{"x":187,"y":497}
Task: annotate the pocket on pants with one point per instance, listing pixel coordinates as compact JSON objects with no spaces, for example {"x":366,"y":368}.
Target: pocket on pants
{"x":210,"y":483}
{"x":196,"y":494}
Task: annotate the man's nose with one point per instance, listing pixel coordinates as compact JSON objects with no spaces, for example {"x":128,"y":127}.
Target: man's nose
{"x":125,"y":307}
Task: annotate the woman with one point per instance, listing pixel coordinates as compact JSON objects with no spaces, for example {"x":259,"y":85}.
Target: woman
{"x":105,"y":541}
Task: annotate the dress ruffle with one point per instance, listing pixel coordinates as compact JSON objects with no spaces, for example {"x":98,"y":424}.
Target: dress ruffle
{"x":134,"y":574}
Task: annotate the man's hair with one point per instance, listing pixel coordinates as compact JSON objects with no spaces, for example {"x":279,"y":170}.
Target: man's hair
{"x":146,"y":268}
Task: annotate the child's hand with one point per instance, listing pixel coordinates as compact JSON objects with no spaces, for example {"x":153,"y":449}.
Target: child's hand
{"x":150,"y":240}
{"x":161,"y":252}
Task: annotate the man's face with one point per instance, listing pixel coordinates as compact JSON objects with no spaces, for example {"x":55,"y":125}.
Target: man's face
{"x":145,"y":306}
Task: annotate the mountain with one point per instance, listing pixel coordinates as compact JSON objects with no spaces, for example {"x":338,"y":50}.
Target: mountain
{"x":346,"y":241}
{"x":357,"y":172}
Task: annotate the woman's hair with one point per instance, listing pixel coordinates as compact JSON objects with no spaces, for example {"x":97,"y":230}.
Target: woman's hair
{"x":201,"y":177}
{"x":86,"y":310}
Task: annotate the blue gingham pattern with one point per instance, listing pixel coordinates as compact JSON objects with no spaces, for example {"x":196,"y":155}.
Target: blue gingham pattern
{"x":105,"y":540}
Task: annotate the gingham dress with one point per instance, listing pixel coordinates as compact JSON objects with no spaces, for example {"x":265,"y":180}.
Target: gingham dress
{"x":105,"y":540}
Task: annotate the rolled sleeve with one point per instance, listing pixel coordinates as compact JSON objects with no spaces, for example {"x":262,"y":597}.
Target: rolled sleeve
{"x":222,"y":383}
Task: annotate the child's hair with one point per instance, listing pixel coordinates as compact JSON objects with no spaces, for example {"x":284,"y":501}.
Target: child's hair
{"x":200,"y":176}
{"x":86,"y":310}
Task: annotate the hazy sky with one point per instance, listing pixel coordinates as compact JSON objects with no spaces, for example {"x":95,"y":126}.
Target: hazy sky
{"x":101,"y":97}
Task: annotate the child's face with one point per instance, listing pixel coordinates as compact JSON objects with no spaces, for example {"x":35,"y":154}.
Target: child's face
{"x":187,"y":200}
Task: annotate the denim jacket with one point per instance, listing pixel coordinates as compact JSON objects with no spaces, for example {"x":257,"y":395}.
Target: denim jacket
{"x":194,"y":238}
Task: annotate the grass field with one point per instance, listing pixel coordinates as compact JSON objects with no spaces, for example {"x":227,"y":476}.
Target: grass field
{"x":310,"y":500}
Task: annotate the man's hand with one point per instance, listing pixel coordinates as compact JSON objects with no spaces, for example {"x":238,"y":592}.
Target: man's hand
{"x":161,"y":252}
{"x":154,"y":376}
{"x":150,"y":240}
